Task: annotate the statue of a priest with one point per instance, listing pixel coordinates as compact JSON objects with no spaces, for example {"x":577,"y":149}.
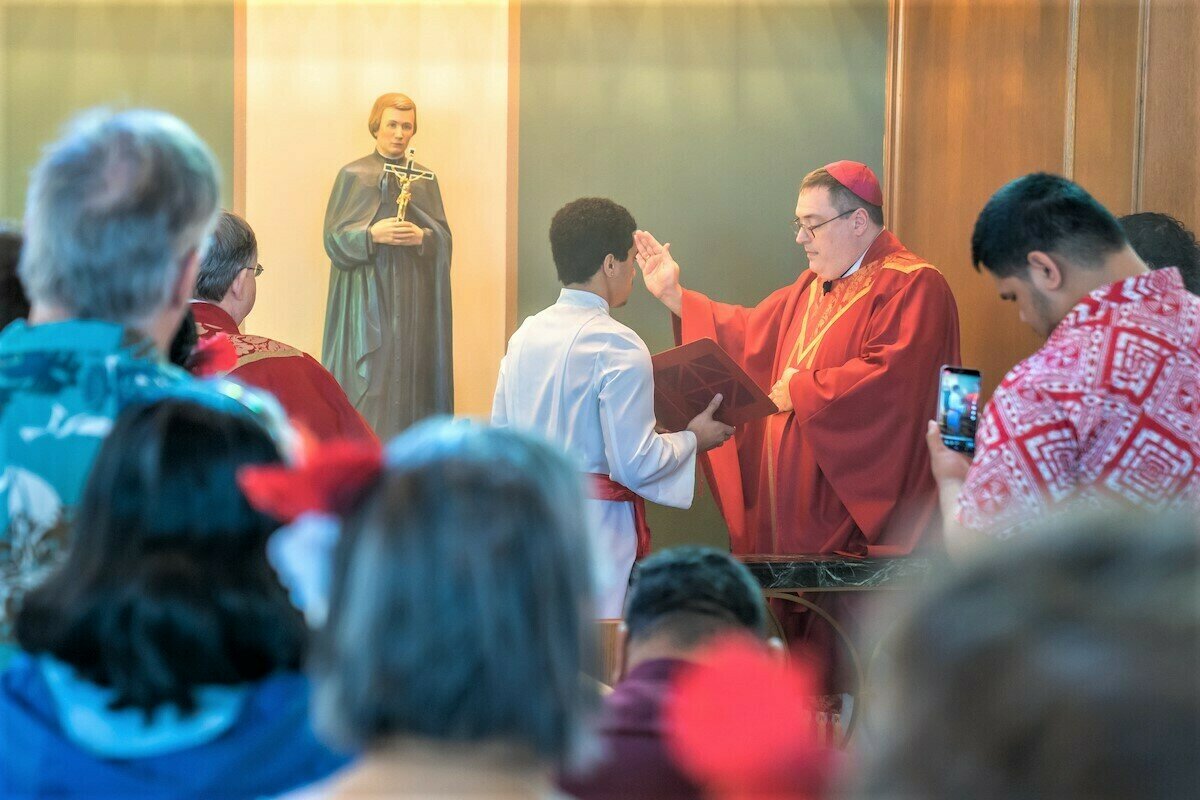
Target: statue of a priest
{"x":387,"y":321}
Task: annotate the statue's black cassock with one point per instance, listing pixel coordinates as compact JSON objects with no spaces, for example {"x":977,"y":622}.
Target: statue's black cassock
{"x":387,"y":321}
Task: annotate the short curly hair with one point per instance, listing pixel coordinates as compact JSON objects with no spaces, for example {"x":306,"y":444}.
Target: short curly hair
{"x":586,"y":230}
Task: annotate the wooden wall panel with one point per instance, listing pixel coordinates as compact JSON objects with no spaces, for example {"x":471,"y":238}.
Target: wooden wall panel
{"x":1170,"y":179}
{"x":982,"y":92}
{"x":1106,"y":101}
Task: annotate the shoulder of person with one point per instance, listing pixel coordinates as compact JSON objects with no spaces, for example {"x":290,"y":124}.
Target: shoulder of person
{"x":615,"y":339}
{"x":367,"y":167}
{"x":907,"y":269}
{"x":1028,"y":376}
{"x":224,"y":394}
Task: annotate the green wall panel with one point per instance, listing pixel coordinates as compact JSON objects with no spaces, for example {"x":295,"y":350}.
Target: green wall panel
{"x":701,"y":118}
{"x":61,"y":58}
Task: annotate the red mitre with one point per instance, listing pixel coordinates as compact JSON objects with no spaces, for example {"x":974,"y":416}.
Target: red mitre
{"x":858,"y":178}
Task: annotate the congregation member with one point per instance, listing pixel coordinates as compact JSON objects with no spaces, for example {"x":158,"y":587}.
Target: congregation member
{"x":741,"y":722}
{"x":162,"y":659}
{"x":388,"y":331}
{"x":117,"y":214}
{"x":1104,"y":412}
{"x":680,"y":601}
{"x":850,"y":353}
{"x":13,"y":302}
{"x":459,"y":620}
{"x":577,"y":377}
{"x":1163,"y":241}
{"x":226,"y":290}
{"x":1061,"y":667}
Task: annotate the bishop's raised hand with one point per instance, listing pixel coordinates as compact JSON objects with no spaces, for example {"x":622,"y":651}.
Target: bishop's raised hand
{"x":660,"y":270}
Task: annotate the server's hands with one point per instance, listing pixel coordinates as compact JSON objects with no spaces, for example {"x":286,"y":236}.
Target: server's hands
{"x":709,"y":432}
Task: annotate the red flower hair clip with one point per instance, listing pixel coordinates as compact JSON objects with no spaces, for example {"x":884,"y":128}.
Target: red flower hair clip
{"x":214,"y":355}
{"x":328,"y":479}
{"x":742,"y":723}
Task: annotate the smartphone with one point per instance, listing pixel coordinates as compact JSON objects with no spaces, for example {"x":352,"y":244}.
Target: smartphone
{"x":958,"y":407}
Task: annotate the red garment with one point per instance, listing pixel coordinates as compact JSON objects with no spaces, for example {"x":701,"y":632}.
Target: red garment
{"x":848,"y":469}
{"x":309,"y":394}
{"x":1107,"y":411}
{"x":605,"y":488}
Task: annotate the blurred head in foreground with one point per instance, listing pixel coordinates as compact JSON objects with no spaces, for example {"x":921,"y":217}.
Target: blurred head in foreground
{"x":1065,"y":667}
{"x":459,"y":614}
{"x":681,"y":598}
{"x":117,"y":217}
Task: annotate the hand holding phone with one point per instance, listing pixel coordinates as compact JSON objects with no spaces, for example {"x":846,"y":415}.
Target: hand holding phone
{"x":958,"y":407}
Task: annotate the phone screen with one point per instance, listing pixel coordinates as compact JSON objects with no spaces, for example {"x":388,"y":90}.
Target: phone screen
{"x":958,"y":407}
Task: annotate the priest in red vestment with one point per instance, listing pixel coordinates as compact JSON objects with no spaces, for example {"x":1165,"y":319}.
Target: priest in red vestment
{"x":225,"y":293}
{"x":850,"y":353}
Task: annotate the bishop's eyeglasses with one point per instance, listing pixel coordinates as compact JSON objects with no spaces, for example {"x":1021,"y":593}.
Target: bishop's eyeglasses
{"x":797,"y":225}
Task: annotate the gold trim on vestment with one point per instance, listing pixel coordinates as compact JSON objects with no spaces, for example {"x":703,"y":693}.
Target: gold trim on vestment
{"x":810,"y":351}
{"x":259,"y":355}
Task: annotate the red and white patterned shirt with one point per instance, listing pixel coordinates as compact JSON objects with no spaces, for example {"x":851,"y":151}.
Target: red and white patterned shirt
{"x":1107,"y":411}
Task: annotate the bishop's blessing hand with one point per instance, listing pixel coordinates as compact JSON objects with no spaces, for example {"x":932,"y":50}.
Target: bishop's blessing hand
{"x":660,"y":270}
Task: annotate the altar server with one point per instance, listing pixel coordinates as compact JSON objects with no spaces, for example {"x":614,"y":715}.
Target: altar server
{"x":579,"y":378}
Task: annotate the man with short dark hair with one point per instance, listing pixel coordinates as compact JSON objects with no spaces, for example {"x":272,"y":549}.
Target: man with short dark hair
{"x":1108,"y":410}
{"x":680,"y":601}
{"x":579,"y":378}
{"x":117,"y":215}
{"x":850,"y":353}
{"x":225,"y":293}
{"x":1163,"y":241}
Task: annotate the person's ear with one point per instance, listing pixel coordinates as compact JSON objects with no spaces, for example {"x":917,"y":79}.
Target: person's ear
{"x":1044,"y":272}
{"x":610,"y":265}
{"x":861,"y":218}
{"x":238,"y":287}
{"x":620,"y":653}
{"x":777,"y":648}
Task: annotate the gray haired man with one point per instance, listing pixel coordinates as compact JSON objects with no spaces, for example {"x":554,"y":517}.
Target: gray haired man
{"x":117,"y":215}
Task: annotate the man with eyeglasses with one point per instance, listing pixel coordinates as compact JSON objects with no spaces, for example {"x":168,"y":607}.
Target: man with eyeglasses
{"x":850,"y":354}
{"x":225,"y":293}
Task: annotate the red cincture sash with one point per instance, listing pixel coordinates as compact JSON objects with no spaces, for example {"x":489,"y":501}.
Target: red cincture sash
{"x":605,"y":488}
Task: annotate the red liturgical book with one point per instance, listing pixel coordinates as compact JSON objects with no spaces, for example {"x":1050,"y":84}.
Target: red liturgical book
{"x":687,"y":377}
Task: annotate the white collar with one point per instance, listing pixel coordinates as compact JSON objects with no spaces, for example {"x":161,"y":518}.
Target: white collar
{"x":858,"y":263}
{"x":581,"y":298}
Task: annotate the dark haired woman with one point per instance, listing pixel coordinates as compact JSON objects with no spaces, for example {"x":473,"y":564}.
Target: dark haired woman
{"x":162,"y":659}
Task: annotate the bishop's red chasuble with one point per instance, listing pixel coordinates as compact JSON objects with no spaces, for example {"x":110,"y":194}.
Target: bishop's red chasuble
{"x":310,"y":395}
{"x":848,"y":469}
